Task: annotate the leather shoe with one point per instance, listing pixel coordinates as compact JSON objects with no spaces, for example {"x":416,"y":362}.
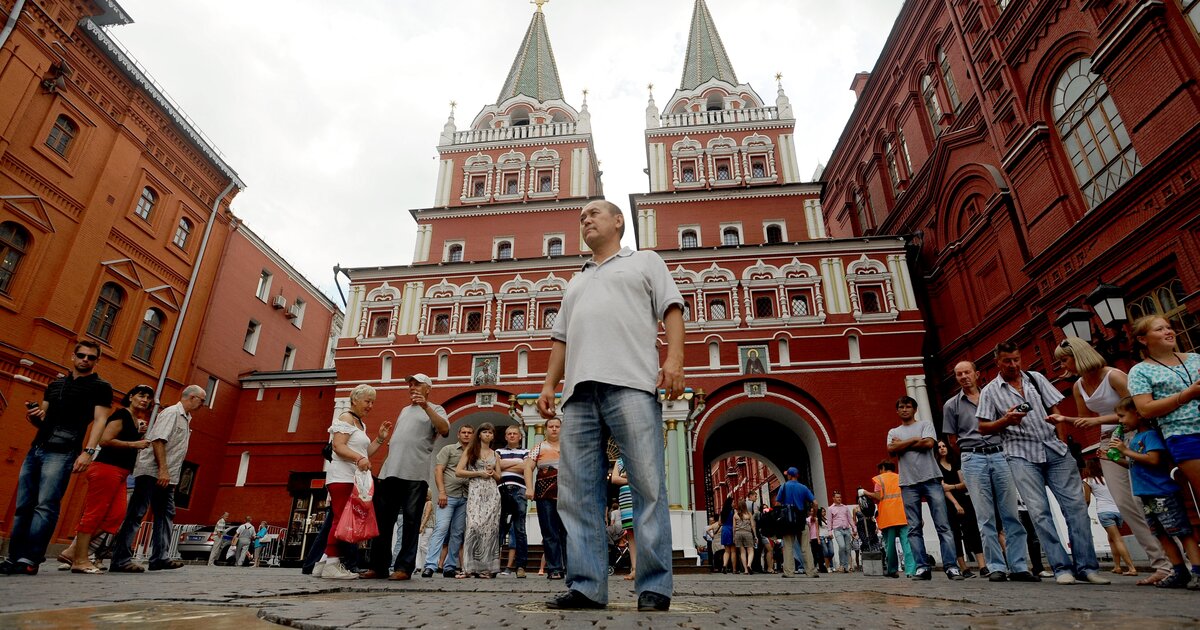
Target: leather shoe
{"x":650,"y":601}
{"x":427,"y":573}
{"x":574,"y":600}
{"x":399,"y":576}
{"x":1000,"y":576}
{"x":449,"y":573}
{"x":1024,"y":576}
{"x":166,"y":565}
{"x":370,"y":574}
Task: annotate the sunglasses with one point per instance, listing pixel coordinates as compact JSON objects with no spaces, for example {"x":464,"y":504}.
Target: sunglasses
{"x":83,"y":356}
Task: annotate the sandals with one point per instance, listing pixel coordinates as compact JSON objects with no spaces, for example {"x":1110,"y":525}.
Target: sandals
{"x":461,"y":575}
{"x":127,"y":568}
{"x":1130,"y":572}
{"x":89,"y":570}
{"x":1154,"y":578}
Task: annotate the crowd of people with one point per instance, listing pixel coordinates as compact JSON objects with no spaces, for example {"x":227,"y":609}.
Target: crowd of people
{"x":984,"y":483}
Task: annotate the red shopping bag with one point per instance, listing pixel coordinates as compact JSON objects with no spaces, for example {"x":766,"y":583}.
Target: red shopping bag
{"x":358,"y":517}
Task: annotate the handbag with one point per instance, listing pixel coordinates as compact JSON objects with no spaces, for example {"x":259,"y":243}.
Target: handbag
{"x":546,"y":485}
{"x":327,"y":451}
{"x":357,"y":521}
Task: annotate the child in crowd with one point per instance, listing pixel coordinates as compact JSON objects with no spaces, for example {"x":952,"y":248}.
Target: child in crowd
{"x":1148,"y":472}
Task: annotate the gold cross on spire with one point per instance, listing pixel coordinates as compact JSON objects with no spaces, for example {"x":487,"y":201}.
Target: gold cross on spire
{"x":539,"y":4}
{"x":778,"y":77}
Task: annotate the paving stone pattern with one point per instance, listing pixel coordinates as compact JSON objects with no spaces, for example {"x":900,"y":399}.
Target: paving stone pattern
{"x":198,"y":596}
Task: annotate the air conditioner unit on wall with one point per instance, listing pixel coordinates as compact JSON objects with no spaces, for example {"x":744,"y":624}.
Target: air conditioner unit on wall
{"x":279,"y":301}
{"x":293,"y":312}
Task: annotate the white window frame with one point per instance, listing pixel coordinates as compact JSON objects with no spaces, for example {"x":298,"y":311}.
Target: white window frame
{"x":732,"y":224}
{"x":782,"y":229}
{"x":289,"y":358}
{"x":250,"y":342}
{"x":546,"y":238}
{"x":512,"y":242}
{"x":448,"y":244}
{"x":263,"y":292}
{"x":693,"y":227}
{"x":298,"y":306}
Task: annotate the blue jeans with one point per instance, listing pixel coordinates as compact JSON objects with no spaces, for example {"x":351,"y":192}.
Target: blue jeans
{"x":147,"y":495}
{"x":634,"y":419}
{"x":512,"y":517}
{"x":990,"y":484}
{"x":451,"y":519}
{"x":843,"y":537}
{"x":40,"y":487}
{"x":1058,"y":473}
{"x":554,"y":535}
{"x":935,"y":496}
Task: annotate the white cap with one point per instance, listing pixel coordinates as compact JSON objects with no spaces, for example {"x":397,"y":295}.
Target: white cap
{"x":421,"y":378}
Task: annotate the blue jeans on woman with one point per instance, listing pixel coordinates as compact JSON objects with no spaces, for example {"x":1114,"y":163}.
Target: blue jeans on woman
{"x":634,"y":419}
{"x":554,"y":535}
{"x":40,"y":487}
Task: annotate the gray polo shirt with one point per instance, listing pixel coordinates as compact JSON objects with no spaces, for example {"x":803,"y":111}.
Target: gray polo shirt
{"x":609,"y":321}
{"x":173,"y":427}
{"x":958,"y":418}
{"x":916,"y":466}
{"x":449,"y":455}
{"x":411,"y":445}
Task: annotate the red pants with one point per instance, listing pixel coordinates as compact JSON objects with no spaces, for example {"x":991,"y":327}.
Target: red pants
{"x":104,"y":504}
{"x":339,"y":494}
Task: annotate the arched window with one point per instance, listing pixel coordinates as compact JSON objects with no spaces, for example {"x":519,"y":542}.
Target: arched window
{"x":764,"y":307}
{"x":62,"y":134}
{"x":152,"y":324}
{"x":716,"y":310}
{"x":554,"y":247}
{"x":932,"y":106}
{"x":870,"y":302}
{"x":715,"y":103}
{"x":516,"y":320}
{"x":145,"y":204}
{"x":14,"y":242}
{"x":441,"y":324}
{"x":774,"y":234}
{"x":104,"y":315}
{"x":862,"y":207}
{"x":379,"y":326}
{"x":182,"y":233}
{"x":549,"y":317}
{"x":689,"y":239}
{"x":456,"y":253}
{"x":1093,"y":134}
{"x":504,"y":250}
{"x":730,"y":236}
{"x":889,"y":154}
{"x":948,"y":79}
{"x":904,"y":151}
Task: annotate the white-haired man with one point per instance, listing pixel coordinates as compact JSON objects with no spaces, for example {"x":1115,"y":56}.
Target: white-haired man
{"x":155,"y":475}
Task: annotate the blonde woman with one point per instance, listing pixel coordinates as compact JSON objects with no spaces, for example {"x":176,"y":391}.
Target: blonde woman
{"x":1096,"y":393}
{"x":352,"y":451}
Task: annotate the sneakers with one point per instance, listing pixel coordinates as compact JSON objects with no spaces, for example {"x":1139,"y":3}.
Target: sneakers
{"x":521,"y":572}
{"x":337,"y":571}
{"x":318,"y":568}
{"x":999,"y":576}
{"x":1065,"y":578}
{"x":925,"y":574}
{"x":954,"y":574}
{"x":1096,"y":578}
{"x":504,"y":572}
{"x":1045,"y":575}
{"x":9,"y":567}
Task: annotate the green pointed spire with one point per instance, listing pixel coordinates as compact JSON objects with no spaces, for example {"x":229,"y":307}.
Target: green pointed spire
{"x":706,"y":56}
{"x":534,"y":72}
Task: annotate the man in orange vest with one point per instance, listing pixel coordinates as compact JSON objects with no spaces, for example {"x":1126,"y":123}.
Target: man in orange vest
{"x":890,"y":518}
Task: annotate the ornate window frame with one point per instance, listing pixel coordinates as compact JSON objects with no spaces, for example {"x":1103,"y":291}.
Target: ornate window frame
{"x":477,"y":166}
{"x":687,"y":153}
{"x":867,"y":273}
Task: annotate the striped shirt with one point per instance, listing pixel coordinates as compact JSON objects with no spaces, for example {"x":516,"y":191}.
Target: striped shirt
{"x":1030,"y":439}
{"x":516,"y":476}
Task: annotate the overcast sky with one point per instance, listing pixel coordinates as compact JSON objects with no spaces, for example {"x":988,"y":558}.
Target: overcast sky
{"x":331,"y":111}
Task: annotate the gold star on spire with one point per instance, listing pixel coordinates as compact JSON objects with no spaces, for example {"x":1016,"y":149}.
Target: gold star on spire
{"x":778,"y":77}
{"x":539,"y":4}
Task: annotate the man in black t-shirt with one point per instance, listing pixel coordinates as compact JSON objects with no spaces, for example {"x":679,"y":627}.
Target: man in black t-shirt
{"x":72,"y":413}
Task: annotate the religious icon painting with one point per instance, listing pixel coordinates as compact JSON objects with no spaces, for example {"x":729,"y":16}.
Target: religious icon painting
{"x":754,"y":359}
{"x":485,"y":369}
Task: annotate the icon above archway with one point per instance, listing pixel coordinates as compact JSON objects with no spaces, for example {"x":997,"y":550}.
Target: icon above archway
{"x":754,"y":359}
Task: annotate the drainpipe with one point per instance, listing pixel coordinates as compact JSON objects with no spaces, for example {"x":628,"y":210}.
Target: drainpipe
{"x":12,"y":22}
{"x":187,"y":298}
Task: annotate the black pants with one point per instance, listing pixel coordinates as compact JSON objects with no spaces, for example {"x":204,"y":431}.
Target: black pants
{"x":398,"y":497}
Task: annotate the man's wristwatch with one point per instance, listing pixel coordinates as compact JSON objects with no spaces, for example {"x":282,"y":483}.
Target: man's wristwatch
{"x":92,"y":452}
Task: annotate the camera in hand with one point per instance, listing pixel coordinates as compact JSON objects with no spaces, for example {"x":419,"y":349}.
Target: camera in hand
{"x":29,"y":404}
{"x":1023,"y":408}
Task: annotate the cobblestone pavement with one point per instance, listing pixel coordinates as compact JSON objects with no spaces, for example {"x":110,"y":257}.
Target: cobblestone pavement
{"x":215,"y":598}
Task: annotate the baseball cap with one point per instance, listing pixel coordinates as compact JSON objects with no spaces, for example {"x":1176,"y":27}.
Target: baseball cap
{"x":793,"y":472}
{"x":421,"y":378}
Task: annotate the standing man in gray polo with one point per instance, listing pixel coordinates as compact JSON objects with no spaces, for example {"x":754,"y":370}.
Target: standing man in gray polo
{"x":988,"y":479}
{"x":1017,"y":406}
{"x":155,"y":476}
{"x":605,"y":344}
{"x":404,"y":480}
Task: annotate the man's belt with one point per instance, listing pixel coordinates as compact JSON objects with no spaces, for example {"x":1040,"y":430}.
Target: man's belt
{"x":982,"y":450}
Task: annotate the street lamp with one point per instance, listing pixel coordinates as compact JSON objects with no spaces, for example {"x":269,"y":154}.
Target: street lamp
{"x":1109,"y":303}
{"x":1075,"y":322}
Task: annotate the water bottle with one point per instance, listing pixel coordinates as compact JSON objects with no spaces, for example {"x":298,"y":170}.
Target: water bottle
{"x":1113,"y":453}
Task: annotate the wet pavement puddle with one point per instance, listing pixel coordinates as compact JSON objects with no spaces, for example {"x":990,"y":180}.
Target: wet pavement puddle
{"x":178,"y":616}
